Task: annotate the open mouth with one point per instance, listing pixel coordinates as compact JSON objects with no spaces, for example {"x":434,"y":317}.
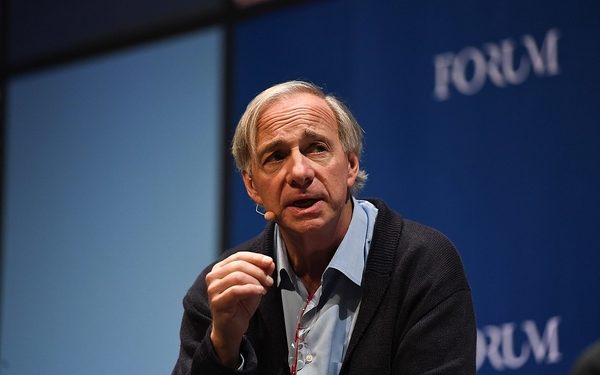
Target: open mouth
{"x":304,"y":203}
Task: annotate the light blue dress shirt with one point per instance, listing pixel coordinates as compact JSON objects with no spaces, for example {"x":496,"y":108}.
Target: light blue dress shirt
{"x":324,"y":322}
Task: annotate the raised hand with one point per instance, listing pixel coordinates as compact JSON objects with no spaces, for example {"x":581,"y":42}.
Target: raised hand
{"x":235,"y":286}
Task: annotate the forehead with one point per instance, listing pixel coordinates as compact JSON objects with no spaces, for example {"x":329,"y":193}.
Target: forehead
{"x":297,"y":111}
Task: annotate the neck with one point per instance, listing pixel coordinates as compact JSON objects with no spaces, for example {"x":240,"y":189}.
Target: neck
{"x":309,"y":264}
{"x":310,"y":253}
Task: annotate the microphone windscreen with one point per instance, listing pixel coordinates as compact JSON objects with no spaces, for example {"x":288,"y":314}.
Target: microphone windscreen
{"x":270,"y":216}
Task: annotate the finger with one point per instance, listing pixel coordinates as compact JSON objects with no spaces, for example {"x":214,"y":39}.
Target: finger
{"x":236,"y":268}
{"x":259,"y":260}
{"x":230,"y":298}
{"x":218,"y":285}
{"x":232,"y":267}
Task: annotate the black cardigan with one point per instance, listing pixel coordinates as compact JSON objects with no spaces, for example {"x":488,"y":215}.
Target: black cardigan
{"x":416,"y":314}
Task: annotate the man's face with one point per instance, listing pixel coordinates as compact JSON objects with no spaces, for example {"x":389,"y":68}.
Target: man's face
{"x":300,"y":171}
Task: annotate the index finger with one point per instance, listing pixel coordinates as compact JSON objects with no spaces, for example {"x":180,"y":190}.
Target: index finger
{"x":260,"y":260}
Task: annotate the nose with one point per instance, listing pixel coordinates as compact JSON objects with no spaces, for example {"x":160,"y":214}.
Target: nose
{"x":301,"y":173}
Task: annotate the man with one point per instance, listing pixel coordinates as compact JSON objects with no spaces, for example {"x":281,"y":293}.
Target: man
{"x":334,"y":285}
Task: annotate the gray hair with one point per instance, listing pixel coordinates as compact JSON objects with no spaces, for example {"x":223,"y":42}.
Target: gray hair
{"x":350,"y":133}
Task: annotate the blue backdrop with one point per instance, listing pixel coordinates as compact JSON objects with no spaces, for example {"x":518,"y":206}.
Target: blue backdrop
{"x":481,"y":120}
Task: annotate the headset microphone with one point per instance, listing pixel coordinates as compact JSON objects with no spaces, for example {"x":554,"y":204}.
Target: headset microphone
{"x":268,"y":215}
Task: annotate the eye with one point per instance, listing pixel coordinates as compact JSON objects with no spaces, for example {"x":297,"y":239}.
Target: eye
{"x":274,"y":157}
{"x":318,"y":147}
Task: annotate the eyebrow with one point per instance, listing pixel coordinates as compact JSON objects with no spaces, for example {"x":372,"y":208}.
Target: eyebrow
{"x":270,"y":146}
{"x":279,"y":141}
{"x":309,"y":133}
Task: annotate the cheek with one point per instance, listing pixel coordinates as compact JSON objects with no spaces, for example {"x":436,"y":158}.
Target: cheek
{"x":340,"y":179}
{"x":269,"y":189}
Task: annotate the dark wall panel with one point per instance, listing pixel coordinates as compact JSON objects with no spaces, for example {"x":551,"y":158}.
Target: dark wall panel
{"x":40,"y":29}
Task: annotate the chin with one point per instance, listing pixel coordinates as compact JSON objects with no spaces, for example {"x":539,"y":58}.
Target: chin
{"x":304,"y":226}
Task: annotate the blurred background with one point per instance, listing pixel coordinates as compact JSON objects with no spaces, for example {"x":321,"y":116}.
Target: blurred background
{"x":482,"y":119}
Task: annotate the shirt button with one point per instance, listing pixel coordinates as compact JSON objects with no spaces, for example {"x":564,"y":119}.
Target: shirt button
{"x":309,"y":358}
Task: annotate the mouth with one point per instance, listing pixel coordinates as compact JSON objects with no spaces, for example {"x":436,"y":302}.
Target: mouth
{"x":304,"y":203}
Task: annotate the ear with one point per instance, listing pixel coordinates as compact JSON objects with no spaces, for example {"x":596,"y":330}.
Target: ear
{"x":250,"y":189}
{"x":353,"y":168}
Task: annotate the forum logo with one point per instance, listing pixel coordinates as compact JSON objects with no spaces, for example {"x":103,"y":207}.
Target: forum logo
{"x":503,"y":63}
{"x":510,"y":346}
